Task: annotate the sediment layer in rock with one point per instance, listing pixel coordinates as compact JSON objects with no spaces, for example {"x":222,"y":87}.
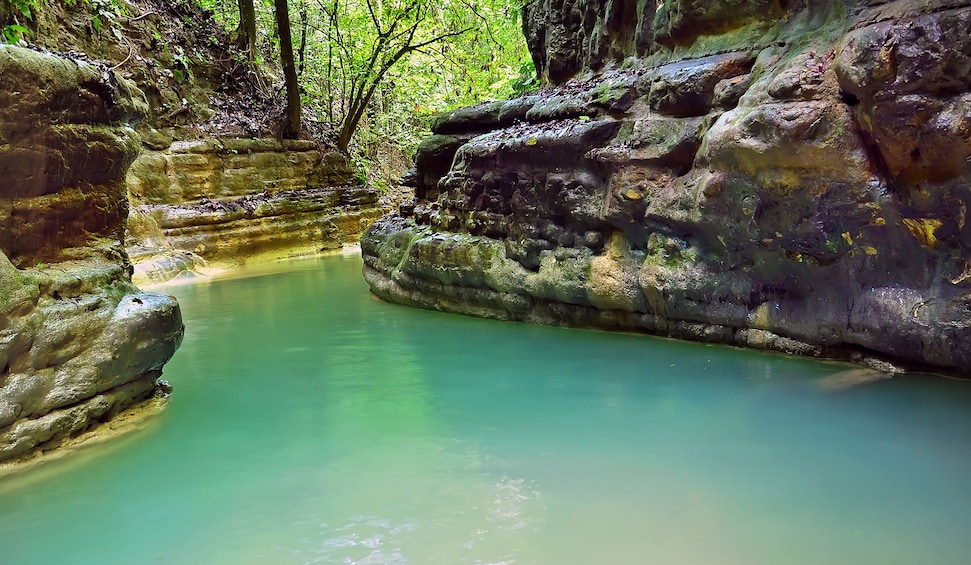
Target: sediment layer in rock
{"x":228,"y":201}
{"x":791,"y":179}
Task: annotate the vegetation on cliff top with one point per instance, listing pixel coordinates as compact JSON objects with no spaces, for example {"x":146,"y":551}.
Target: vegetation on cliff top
{"x":369,"y":74}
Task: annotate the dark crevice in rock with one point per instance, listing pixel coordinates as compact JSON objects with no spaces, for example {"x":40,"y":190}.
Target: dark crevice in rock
{"x":848,"y":98}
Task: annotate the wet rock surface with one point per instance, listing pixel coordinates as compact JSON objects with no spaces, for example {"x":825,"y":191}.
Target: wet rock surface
{"x":794,"y":180}
{"x":66,"y":144}
{"x":78,"y":342}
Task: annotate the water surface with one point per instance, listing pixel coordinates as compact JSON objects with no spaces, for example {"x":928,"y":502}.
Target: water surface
{"x":312,"y":423}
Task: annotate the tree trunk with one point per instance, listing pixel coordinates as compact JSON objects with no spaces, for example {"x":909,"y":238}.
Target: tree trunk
{"x":301,"y":53}
{"x":247,"y":28}
{"x":290,"y":128}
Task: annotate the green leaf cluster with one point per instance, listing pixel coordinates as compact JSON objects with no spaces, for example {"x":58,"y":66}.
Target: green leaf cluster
{"x":13,"y":32}
{"x":106,"y":14}
{"x":374,"y":72}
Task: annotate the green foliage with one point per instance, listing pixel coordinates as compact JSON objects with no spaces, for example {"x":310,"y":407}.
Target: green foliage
{"x":181,"y":58}
{"x":13,"y":32}
{"x":25,"y":7}
{"x":527,"y":81}
{"x":454,"y":53}
{"x":374,"y":73}
{"x":106,"y":14}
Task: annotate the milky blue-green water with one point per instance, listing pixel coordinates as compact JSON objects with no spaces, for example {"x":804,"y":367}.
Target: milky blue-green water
{"x":312,"y":423}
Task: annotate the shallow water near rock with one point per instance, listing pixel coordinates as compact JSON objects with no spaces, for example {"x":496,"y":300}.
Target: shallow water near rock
{"x":312,"y":423}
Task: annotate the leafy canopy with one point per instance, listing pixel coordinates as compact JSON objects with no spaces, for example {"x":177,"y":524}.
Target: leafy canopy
{"x":373,"y":72}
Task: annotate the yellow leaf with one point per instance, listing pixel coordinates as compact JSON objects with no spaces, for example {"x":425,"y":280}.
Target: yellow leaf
{"x":923,"y":229}
{"x":532,"y":141}
{"x":869,"y":250}
{"x":847,"y":238}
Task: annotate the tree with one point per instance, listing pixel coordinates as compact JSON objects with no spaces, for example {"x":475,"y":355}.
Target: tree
{"x":290,"y":127}
{"x":371,"y":73}
{"x":246,"y":32}
{"x":367,"y":38}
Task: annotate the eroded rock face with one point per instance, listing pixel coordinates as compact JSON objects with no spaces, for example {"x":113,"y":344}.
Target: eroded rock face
{"x":78,"y":342}
{"x":64,"y":153}
{"x":781,"y":175}
{"x":565,"y":36}
{"x":229,"y":200}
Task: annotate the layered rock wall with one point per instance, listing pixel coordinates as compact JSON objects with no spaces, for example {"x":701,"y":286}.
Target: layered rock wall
{"x":226,"y":201}
{"x":78,"y":342}
{"x":212,"y":186}
{"x":784,"y":175}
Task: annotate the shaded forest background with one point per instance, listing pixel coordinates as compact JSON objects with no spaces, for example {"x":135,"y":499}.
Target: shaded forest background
{"x":368,"y":75}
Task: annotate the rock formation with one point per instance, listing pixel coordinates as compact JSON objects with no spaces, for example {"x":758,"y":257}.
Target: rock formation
{"x":225,"y":201}
{"x":78,"y":342}
{"x":789,"y":175}
{"x":212,"y":186}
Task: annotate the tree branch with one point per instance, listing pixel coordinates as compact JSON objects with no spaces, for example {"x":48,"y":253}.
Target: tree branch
{"x":374,"y":18}
{"x":438,"y":38}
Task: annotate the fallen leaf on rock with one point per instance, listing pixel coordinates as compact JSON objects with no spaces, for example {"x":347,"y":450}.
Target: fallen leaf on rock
{"x":924,"y":230}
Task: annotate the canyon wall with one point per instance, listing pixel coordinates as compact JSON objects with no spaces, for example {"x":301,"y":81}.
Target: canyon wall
{"x":226,"y":200}
{"x":788,"y":175}
{"x":212,"y":186}
{"x":78,"y":342}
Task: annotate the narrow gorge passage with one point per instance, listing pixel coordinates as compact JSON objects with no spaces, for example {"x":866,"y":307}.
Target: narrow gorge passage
{"x":315,"y":424}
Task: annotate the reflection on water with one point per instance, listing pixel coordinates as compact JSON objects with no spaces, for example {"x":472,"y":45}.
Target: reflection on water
{"x":314,"y":424}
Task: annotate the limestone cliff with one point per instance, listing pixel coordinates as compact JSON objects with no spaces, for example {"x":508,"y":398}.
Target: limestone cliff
{"x":212,"y":185}
{"x":228,"y":200}
{"x":789,"y":175}
{"x":78,"y":342}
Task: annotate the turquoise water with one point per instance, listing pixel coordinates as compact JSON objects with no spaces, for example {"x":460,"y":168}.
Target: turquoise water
{"x":312,"y":423}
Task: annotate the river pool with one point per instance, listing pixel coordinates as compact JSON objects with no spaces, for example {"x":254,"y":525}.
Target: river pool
{"x":312,"y":423}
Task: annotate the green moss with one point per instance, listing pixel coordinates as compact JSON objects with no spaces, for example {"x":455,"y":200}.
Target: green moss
{"x":625,"y":132}
{"x":669,"y":252}
{"x":690,"y":255}
{"x":819,"y":26}
{"x":394,"y":249}
{"x":608,"y":93}
{"x":117,"y":289}
{"x":16,"y":286}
